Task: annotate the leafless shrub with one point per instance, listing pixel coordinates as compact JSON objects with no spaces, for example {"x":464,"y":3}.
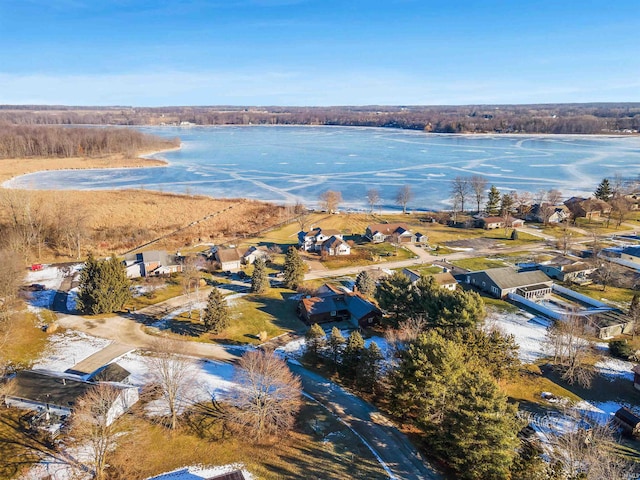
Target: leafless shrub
{"x":267,"y":399}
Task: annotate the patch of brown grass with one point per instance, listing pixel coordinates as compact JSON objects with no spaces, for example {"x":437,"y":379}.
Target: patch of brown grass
{"x":302,"y":453}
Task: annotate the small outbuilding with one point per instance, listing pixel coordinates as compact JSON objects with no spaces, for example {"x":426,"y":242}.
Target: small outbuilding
{"x":628,"y":421}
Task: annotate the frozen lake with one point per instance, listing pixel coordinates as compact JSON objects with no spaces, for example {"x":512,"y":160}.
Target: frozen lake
{"x":289,"y":164}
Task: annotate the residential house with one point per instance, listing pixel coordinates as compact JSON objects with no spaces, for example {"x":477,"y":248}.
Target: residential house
{"x":110,"y":373}
{"x":499,"y":282}
{"x":224,"y":472}
{"x":312,"y":240}
{"x":151,"y":263}
{"x":443,"y":279}
{"x":549,"y":213}
{"x":331,"y":304}
{"x":634,"y":201}
{"x":631,"y":253}
{"x":58,"y":393}
{"x":589,"y":208}
{"x":392,"y":232}
{"x":335,"y":245}
{"x":412,"y":275}
{"x":228,"y":258}
{"x":489,"y":223}
{"x":628,"y":421}
{"x":568,"y":269}
{"x":253,"y":253}
{"x":446,"y":280}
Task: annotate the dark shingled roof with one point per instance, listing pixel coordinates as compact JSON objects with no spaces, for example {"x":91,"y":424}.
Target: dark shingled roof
{"x":628,"y":417}
{"x":45,"y":388}
{"x":111,"y":373}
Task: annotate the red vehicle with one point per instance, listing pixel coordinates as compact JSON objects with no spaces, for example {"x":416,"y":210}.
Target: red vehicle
{"x":36,"y":266}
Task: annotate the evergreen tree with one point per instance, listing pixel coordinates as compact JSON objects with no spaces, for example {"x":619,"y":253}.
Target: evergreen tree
{"x":369,"y":369}
{"x":293,"y":269}
{"x":506,"y":204}
{"x":365,"y":283}
{"x":442,"y":308}
{"x":259,"y":279}
{"x":604,"y":191}
{"x":391,"y":295}
{"x":493,"y":201}
{"x":352,"y":355}
{"x":336,"y":344}
{"x":426,"y":379}
{"x":514,"y":234}
{"x":481,"y":434}
{"x":315,"y":340}
{"x":104,"y":286}
{"x":493,"y":350}
{"x":216,"y":314}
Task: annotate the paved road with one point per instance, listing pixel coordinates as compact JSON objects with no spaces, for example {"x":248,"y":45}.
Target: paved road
{"x":402,"y":460}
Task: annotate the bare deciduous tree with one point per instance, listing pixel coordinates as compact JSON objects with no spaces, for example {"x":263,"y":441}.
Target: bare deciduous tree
{"x":268,"y":396}
{"x":330,"y":200}
{"x":587,"y":450}
{"x":373,"y":198}
{"x":404,"y":196}
{"x":93,"y":425}
{"x":570,"y":350}
{"x":174,"y":374}
{"x":460,"y":189}
{"x":11,"y":274}
{"x":478,"y":187}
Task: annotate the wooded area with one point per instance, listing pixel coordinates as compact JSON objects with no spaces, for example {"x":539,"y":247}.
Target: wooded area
{"x":55,"y":141}
{"x":592,"y":118}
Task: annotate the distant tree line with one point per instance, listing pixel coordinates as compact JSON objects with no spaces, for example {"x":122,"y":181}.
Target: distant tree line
{"x":550,"y":118}
{"x":54,"y":141}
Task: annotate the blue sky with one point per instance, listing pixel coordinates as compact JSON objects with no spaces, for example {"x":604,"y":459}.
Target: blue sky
{"x":318,"y":52}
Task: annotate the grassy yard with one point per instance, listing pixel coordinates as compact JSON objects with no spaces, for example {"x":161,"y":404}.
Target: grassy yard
{"x":319,"y":447}
{"x":611,"y":294}
{"x":527,"y":386}
{"x":27,"y":341}
{"x":252,"y":314}
{"x":171,"y":289}
{"x":478,"y":263}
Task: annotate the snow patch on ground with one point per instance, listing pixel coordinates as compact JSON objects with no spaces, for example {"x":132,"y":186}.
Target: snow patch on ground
{"x":64,"y":350}
{"x":41,"y":299}
{"x":162,"y":323}
{"x":615,"y":368}
{"x":529,"y":332}
{"x":50,"y":277}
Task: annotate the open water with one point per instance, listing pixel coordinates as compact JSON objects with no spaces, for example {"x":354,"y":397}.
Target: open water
{"x":290,"y":164}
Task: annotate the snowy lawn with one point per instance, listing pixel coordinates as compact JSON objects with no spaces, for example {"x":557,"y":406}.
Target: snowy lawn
{"x":529,"y":332}
{"x":64,"y":350}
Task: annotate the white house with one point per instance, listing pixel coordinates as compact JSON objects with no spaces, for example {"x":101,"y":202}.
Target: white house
{"x":312,"y":241}
{"x":335,"y":246}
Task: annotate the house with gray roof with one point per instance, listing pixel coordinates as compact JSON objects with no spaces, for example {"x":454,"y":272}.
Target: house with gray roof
{"x":332,"y":304}
{"x":56,"y":393}
{"x":499,"y":282}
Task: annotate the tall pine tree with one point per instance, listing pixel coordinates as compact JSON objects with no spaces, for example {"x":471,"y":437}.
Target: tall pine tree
{"x":352,"y":355}
{"x":369,"y":368}
{"x":104,"y":286}
{"x":293,"y":269}
{"x":604,"y":191}
{"x":216,"y":314}
{"x":336,"y":344}
{"x":259,"y":279}
{"x":315,"y":341}
{"x":365,"y":283}
{"x":493,"y":201}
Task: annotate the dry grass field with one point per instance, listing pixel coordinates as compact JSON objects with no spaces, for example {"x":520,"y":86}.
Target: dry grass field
{"x":12,"y":167}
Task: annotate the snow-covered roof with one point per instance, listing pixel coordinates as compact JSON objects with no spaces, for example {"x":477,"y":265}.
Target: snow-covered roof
{"x":198,"y":472}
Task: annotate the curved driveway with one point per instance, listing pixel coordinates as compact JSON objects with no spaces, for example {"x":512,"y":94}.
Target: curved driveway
{"x":392,"y":447}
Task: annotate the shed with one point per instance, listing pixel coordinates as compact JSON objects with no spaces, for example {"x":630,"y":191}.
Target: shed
{"x":628,"y":421}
